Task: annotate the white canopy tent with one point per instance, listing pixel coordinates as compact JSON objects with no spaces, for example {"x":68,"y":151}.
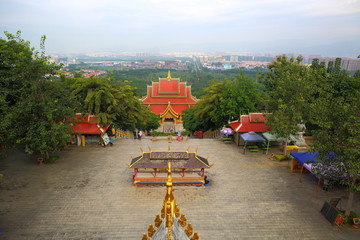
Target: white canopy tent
{"x":273,"y":138}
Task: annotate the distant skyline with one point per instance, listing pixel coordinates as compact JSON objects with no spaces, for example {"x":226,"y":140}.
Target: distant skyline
{"x":324,"y":27}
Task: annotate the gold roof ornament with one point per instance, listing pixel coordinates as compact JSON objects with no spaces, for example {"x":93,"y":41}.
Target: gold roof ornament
{"x":170,"y":224}
{"x":169,"y":75}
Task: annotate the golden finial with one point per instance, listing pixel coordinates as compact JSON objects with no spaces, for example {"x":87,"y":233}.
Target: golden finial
{"x":195,"y":237}
{"x":151,"y":230}
{"x":163,"y":212}
{"x":169,"y":147}
{"x":169,"y":234}
{"x":142,"y":151}
{"x":158,"y":221}
{"x":169,"y":75}
{"x":177,"y":211}
{"x":145,"y":237}
{"x":182,"y":220}
{"x":149,"y":148}
{"x":189,"y":230}
{"x":169,"y":202}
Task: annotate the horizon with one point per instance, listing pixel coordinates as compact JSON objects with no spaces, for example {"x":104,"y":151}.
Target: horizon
{"x":329,"y":28}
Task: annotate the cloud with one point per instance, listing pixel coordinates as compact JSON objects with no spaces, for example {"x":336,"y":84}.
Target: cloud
{"x":142,"y":23}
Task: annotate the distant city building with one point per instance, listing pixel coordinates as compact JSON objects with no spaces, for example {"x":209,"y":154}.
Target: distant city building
{"x":348,"y":64}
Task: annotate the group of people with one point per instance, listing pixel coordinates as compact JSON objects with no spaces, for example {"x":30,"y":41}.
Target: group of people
{"x":138,"y":134}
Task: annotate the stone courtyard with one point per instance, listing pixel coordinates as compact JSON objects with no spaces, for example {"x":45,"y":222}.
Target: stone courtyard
{"x":89,"y":194}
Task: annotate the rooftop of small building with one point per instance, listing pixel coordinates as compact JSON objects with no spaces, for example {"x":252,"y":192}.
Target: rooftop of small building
{"x":160,"y":159}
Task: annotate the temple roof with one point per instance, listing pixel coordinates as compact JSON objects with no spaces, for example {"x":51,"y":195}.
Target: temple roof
{"x":254,"y":122}
{"x":160,"y":159}
{"x":87,"y":124}
{"x":169,"y":90}
{"x":170,"y":224}
{"x":169,"y":110}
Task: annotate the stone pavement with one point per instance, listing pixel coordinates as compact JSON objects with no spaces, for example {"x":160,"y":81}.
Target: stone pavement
{"x":88,"y":194}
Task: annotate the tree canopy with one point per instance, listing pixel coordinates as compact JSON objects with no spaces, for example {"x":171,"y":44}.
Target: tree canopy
{"x":112,"y":102}
{"x":224,"y":100}
{"x":335,"y":109}
{"x":32,"y":106}
{"x":326,"y":97}
{"x":288,"y":89}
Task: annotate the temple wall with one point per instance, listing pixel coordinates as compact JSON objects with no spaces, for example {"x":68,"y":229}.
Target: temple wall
{"x":178,"y":127}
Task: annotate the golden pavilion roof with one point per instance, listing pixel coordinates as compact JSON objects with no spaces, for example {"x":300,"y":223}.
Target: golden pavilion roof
{"x":170,"y":224}
{"x":160,"y":159}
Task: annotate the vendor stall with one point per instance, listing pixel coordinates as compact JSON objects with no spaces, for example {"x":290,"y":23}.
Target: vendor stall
{"x":274,"y":138}
{"x":251,"y":137}
{"x":325,"y":172}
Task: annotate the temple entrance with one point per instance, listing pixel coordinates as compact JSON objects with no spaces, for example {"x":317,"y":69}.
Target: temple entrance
{"x":169,"y":128}
{"x":169,"y":120}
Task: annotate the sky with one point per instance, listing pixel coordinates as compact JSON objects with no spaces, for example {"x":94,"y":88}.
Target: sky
{"x":325,"y":27}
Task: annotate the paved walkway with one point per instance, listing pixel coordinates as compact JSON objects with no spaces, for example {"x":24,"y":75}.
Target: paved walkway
{"x":88,"y":194}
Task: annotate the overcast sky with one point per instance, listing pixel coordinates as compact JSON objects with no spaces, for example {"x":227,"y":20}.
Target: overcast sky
{"x":327,"y":27}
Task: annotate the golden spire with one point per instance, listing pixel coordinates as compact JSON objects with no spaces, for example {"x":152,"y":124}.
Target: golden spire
{"x":169,"y":204}
{"x":169,"y":75}
{"x":170,"y":213}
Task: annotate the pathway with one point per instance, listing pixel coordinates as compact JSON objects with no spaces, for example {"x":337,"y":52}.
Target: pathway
{"x":88,"y":194}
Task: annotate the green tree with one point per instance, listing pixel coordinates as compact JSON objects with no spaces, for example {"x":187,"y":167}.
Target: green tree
{"x":224,"y":101}
{"x":335,"y":109}
{"x":191,"y":122}
{"x":112,"y":102}
{"x":32,"y":106}
{"x":98,"y":96}
{"x":288,"y":88}
{"x":148,"y":120}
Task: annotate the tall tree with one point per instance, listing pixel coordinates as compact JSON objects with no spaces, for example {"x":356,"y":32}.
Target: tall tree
{"x":191,"y":121}
{"x":288,"y":89}
{"x":335,"y":109}
{"x":99,"y":96}
{"x":148,"y":120}
{"x":112,"y":102}
{"x":32,"y":106}
{"x":223,"y":101}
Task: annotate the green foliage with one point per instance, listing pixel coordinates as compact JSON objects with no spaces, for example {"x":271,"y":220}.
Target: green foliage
{"x":52,"y":159}
{"x":185,"y":133}
{"x":148,"y":120}
{"x":191,"y":121}
{"x":32,"y":106}
{"x":224,"y":101}
{"x":288,"y":87}
{"x":140,"y":78}
{"x":335,"y":109}
{"x":328,"y":98}
{"x":113,"y":102}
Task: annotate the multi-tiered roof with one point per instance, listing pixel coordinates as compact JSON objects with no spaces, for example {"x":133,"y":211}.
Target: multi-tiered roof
{"x":169,"y":95}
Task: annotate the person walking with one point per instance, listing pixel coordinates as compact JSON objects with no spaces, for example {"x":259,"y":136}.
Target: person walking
{"x":179,"y":136}
{"x":140,"y":134}
{"x":135,"y":134}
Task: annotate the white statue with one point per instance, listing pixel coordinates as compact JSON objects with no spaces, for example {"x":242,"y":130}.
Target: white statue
{"x":299,"y":135}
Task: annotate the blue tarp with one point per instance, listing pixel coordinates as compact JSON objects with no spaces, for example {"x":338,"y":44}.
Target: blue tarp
{"x":252,"y":137}
{"x":304,"y":157}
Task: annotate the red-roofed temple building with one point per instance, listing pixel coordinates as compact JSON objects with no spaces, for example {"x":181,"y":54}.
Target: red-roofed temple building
{"x":169,"y":98}
{"x":254,"y":122}
{"x":87,"y":126}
